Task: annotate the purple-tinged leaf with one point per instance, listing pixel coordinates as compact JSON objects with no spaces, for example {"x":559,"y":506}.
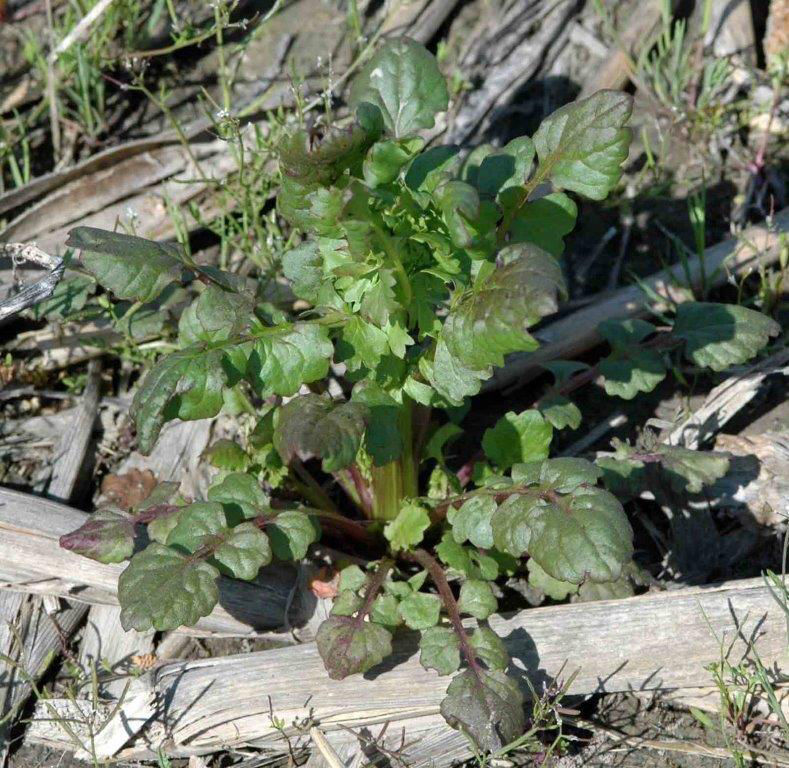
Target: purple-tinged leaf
{"x":350,"y":645}
{"x":107,"y":537}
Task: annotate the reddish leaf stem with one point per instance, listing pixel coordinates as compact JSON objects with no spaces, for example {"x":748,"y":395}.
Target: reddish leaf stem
{"x":431,"y":565}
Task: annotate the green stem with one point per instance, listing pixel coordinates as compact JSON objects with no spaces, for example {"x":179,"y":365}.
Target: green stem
{"x":398,"y":479}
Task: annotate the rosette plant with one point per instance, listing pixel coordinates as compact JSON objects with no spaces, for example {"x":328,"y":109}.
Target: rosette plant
{"x":419,"y":269}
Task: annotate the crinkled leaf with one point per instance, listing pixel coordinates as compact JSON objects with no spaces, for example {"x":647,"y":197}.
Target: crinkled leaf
{"x":621,"y":334}
{"x":439,"y":649}
{"x":719,"y":335}
{"x":560,"y":411}
{"x":432,"y":167}
{"x":291,"y":534}
{"x":491,"y":319}
{"x":553,"y":588}
{"x":384,"y":611}
{"x":216,"y":315}
{"x":472,"y":521}
{"x":363,"y":344}
{"x":288,"y":356}
{"x":314,"y":426}
{"x":489,"y":648}
{"x":408,"y":528}
{"x":563,"y":474}
{"x":162,"y":589}
{"x":518,"y":437}
{"x":460,"y":206}
{"x":582,"y":145}
{"x":241,"y":495}
{"x":197,"y":524}
{"x":352,"y":577}
{"x":690,"y":471}
{"x":70,"y":295}
{"x":186,"y":384}
{"x":591,"y":591}
{"x":130,"y":267}
{"x":511,"y":526}
{"x":420,"y":610}
{"x":403,"y":80}
{"x":545,"y":222}
{"x":487,"y":705}
{"x":105,"y":536}
{"x":303,"y":266}
{"x":477,"y":599}
{"x":450,"y":377}
{"x":310,"y":207}
{"x":349,"y":646}
{"x":583,"y":536}
{"x":347,"y":603}
{"x":227,"y":455}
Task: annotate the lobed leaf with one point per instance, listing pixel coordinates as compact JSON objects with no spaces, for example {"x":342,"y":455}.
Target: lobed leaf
{"x":487,"y":705}
{"x":582,"y":145}
{"x":162,"y":589}
{"x":349,"y":646}
{"x":489,"y":648}
{"x":490,"y":320}
{"x":216,"y":315}
{"x":518,"y":437}
{"x":314,"y":426}
{"x":719,"y":335}
{"x":131,"y":268}
{"x":403,"y":80}
{"x":408,"y":528}
{"x":472,"y":521}
{"x":420,"y":610}
{"x":106,"y":536}
{"x":292,"y":532}
{"x":477,"y":599}
{"x":545,"y":222}
{"x":439,"y":649}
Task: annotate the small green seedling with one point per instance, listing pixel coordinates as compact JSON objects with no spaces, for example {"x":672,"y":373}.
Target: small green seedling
{"x":421,"y":270}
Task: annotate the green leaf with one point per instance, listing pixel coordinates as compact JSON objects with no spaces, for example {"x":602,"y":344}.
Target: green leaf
{"x":291,"y":534}
{"x":553,"y":588}
{"x":70,"y":296}
{"x":582,"y":536}
{"x":420,"y":610}
{"x":472,"y":521}
{"x":505,"y":168}
{"x":310,"y":207}
{"x":216,"y":315}
{"x":518,"y":437}
{"x":382,"y":439}
{"x":489,"y":648}
{"x":403,"y":80}
{"x":166,"y":519}
{"x":560,"y":412}
{"x":491,"y":319}
{"x":287,"y":357}
{"x":626,"y":373}
{"x":387,"y":158}
{"x":347,"y":603}
{"x":130,"y":267}
{"x":162,"y":589}
{"x":564,"y":474}
{"x":352,"y":577}
{"x":227,"y":455}
{"x":460,"y":207}
{"x":450,"y":377}
{"x":303,"y":267}
{"x":431,"y":168}
{"x":314,"y":426}
{"x":582,"y":145}
{"x":690,"y":471}
{"x":197,"y":524}
{"x":439,"y":649}
{"x":408,"y":528}
{"x":591,"y":591}
{"x":511,"y":524}
{"x":106,"y":536}
{"x":486,"y":705}
{"x":186,"y":384}
{"x":365,"y":344}
{"x":385,"y":612}
{"x":244,"y":551}
{"x":545,"y":222}
{"x":349,"y":646}
{"x":241,"y":495}
{"x":477,"y":599}
{"x":719,"y":335}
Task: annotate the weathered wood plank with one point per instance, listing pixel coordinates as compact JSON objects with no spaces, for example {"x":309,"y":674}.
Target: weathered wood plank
{"x":656,"y":641}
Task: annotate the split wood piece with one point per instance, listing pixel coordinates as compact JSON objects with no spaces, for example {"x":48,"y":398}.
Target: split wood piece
{"x":614,"y":72}
{"x":507,"y":73}
{"x":36,"y":292}
{"x":726,"y":400}
{"x":617,"y":645}
{"x":30,"y":638}
{"x":32,"y":561}
{"x":757,"y":246}
{"x":419,"y":20}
